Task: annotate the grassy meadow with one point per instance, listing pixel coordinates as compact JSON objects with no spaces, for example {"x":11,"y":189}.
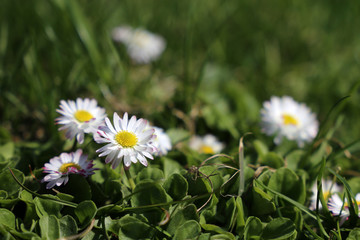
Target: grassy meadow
{"x":222,"y":60}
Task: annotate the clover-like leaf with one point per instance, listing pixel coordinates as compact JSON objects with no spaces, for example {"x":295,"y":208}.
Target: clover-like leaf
{"x":279,"y":229}
{"x":85,"y":212}
{"x":189,"y":230}
{"x":176,"y":186}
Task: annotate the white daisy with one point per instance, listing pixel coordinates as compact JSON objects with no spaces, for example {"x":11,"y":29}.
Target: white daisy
{"x":80,"y":117}
{"x":339,"y":208}
{"x":283,"y":117}
{"x":207,"y":144}
{"x":142,"y":46}
{"x":60,"y":167}
{"x":328,"y":189}
{"x":128,"y":139}
{"x":162,"y":142}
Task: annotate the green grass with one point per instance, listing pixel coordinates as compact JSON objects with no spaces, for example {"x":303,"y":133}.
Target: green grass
{"x":223,"y":59}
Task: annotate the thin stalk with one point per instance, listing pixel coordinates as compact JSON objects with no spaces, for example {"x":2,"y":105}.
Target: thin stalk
{"x":130,"y":179}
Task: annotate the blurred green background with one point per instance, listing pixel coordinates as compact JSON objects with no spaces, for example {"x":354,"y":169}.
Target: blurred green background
{"x":222,"y":60}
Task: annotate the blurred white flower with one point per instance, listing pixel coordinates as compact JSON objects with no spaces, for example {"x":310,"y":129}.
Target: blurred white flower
{"x":339,"y":208}
{"x":128,"y":139}
{"x":207,"y":144}
{"x":142,"y":46}
{"x":284,"y":117}
{"x":60,"y":167}
{"x":328,"y":188}
{"x":80,"y":117}
{"x":162,"y":142}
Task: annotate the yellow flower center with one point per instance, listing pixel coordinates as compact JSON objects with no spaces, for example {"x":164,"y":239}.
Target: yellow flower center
{"x":207,"y":149}
{"x":289,"y":120}
{"x":126,"y":139}
{"x":64,"y":168}
{"x":83,"y":116}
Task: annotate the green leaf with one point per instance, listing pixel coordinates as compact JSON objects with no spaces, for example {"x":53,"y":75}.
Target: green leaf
{"x":7,"y":218}
{"x":148,"y":193}
{"x":152,"y":173}
{"x":44,"y":207}
{"x":262,"y":203}
{"x":170,"y":166}
{"x":49,"y":227}
{"x":134,"y":228}
{"x":189,"y":230}
{"x":181,"y":216}
{"x":279,"y":228}
{"x":223,"y":236}
{"x":85,"y":212}
{"x":177,"y":135}
{"x":67,"y":226}
{"x":77,"y":187}
{"x":354,"y":234}
{"x":176,"y":186}
{"x":7,"y":182}
{"x":213,"y":174}
{"x":285,"y":181}
{"x":272,"y":160}
{"x":7,"y":150}
{"x":253,"y":228}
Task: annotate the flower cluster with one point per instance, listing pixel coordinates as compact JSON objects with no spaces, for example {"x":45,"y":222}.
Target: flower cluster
{"x":128,"y":140}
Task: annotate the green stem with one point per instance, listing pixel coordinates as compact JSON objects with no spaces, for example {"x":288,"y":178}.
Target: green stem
{"x":131,"y":181}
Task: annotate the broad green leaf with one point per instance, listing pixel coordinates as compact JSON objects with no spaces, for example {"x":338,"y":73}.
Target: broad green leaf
{"x":7,"y":150}
{"x":354,"y":184}
{"x":204,"y":236}
{"x":260,"y":148}
{"x":294,"y":214}
{"x":64,"y":196}
{"x":149,"y":173}
{"x":262,"y":203}
{"x":223,"y":236}
{"x":3,"y":194}
{"x":354,"y":234}
{"x":148,"y":193}
{"x":213,"y":174}
{"x":198,"y":186}
{"x":181,"y":216}
{"x":85,"y":212}
{"x":77,"y":187}
{"x":176,"y":186}
{"x":67,"y":226}
{"x":279,"y":228}
{"x":189,"y":230}
{"x":7,"y":182}
{"x":170,"y":166}
{"x":285,"y":181}
{"x":253,"y":228}
{"x":49,"y":227}
{"x":293,"y":159}
{"x":272,"y":160}
{"x":44,"y":207}
{"x":7,"y":218}
{"x":134,"y":228}
{"x":5,"y":234}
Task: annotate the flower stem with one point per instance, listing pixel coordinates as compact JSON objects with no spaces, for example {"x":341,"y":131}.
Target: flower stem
{"x":130,"y":179}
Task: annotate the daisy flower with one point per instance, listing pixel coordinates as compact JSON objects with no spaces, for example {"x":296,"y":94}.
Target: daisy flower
{"x":80,"y":117}
{"x":283,"y":117}
{"x":60,"y":167}
{"x":207,"y":144}
{"x":340,"y":208}
{"x":328,"y":189}
{"x":142,"y":46}
{"x":128,"y":140}
{"x":162,"y":142}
